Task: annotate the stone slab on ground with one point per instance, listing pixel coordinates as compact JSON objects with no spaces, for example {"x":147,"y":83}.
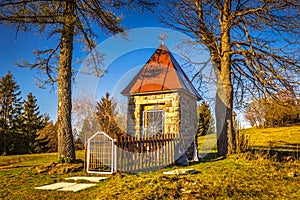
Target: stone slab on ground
{"x":180,"y":171}
{"x":64,"y":186}
{"x":55,"y":186}
{"x":77,"y":187}
{"x":86,"y":178}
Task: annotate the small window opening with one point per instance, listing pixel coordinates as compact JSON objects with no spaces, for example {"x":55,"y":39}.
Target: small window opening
{"x":153,"y":122}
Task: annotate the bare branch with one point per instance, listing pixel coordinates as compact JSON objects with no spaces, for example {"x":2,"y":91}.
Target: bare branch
{"x":264,"y":39}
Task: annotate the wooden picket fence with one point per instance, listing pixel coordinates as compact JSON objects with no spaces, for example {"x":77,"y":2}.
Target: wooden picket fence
{"x":144,"y":154}
{"x":130,"y":154}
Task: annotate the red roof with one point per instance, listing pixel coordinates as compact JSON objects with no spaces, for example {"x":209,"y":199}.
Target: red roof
{"x":160,"y":73}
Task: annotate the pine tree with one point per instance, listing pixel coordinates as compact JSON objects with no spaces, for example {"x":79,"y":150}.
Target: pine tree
{"x":10,"y":111}
{"x":49,"y":132}
{"x":32,"y":122}
{"x":106,"y":116}
{"x":205,"y":119}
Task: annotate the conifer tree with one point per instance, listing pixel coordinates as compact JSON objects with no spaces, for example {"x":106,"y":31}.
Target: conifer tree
{"x":106,"y":115}
{"x":10,"y":111}
{"x":32,"y":121}
{"x":50,"y":133}
{"x":205,"y":119}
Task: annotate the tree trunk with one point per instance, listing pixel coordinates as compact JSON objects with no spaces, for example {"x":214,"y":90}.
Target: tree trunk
{"x":223,"y":110}
{"x":224,"y":97}
{"x":65,"y":137}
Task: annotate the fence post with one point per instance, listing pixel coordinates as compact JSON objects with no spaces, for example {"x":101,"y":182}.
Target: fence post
{"x":88,"y":157}
{"x":85,"y":156}
{"x":115,"y":155}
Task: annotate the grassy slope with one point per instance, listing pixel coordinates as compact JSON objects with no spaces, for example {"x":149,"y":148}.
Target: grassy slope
{"x":242,"y":176}
{"x":283,"y":138}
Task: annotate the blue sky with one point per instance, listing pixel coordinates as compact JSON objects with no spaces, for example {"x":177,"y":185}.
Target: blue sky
{"x":123,"y":59}
{"x":12,"y":49}
{"x":15,"y":47}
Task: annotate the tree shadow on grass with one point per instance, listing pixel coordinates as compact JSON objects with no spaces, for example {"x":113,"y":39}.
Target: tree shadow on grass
{"x":279,"y":150}
{"x":9,"y":167}
{"x":207,"y":157}
{"x":276,"y":155}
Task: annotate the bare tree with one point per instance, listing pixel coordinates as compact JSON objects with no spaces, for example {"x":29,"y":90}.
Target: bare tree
{"x":68,"y":20}
{"x":253,"y":45}
{"x":255,"y":112}
{"x":85,"y":120}
{"x":267,"y":112}
{"x":121,"y":115}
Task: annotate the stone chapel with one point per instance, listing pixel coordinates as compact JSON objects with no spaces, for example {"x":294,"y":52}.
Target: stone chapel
{"x":161,"y":98}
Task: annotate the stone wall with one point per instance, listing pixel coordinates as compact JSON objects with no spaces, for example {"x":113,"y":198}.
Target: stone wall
{"x":188,"y":114}
{"x":180,"y":111}
{"x":189,"y":121}
{"x":169,"y":102}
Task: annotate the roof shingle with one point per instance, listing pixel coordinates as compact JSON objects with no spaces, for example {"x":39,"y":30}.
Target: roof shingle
{"x":160,"y":73}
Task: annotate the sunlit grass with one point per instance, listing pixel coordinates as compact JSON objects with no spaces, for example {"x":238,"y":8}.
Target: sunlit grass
{"x":207,"y":144}
{"x":240,"y":176}
{"x":31,"y":160}
{"x":233,"y":178}
{"x":282,"y":138}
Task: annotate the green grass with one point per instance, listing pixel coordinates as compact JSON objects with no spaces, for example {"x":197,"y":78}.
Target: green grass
{"x":207,"y":144}
{"x":240,"y":176}
{"x":283,"y":138}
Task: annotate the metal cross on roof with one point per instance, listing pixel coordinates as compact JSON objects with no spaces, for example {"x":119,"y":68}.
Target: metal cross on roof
{"x":162,"y":37}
